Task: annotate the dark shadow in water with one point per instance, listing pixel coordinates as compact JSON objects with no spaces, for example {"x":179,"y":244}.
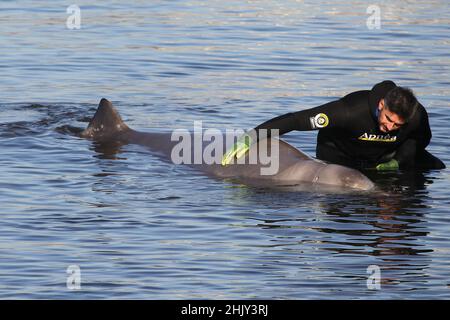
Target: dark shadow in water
{"x":111,"y":171}
{"x":70,"y":130}
{"x":50,"y":117}
{"x":403,"y":181}
{"x":108,"y":150}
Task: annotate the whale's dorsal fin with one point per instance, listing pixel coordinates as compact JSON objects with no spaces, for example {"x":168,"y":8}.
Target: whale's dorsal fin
{"x":106,"y":122}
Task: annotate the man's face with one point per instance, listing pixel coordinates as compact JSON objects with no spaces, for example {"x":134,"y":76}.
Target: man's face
{"x":387,"y":120}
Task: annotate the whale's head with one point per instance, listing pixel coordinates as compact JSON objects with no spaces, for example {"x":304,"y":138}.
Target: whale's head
{"x":338,"y":175}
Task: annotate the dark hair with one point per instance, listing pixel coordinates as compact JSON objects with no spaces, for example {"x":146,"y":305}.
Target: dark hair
{"x":402,"y":102}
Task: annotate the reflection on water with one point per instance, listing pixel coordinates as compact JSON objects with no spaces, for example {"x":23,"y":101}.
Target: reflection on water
{"x":108,"y":150}
{"x":391,"y":226}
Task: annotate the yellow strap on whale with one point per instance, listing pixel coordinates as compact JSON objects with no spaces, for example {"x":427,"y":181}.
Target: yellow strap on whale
{"x":238,"y":150}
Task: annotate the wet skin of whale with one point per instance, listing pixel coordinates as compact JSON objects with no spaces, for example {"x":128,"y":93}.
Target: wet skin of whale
{"x":294,"y":167}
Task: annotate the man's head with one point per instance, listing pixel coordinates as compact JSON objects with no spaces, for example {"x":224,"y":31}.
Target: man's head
{"x":397,"y":108}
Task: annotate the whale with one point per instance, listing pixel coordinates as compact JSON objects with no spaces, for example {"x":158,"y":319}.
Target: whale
{"x":294,"y":166}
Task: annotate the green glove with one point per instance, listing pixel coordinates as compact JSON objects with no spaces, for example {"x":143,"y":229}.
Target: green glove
{"x":239,"y":149}
{"x":390,"y":165}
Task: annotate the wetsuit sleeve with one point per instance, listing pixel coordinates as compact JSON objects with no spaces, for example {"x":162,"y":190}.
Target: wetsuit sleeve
{"x":418,"y":139}
{"x":329,"y":115}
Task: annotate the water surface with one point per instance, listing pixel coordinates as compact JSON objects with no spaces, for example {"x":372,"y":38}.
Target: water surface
{"x":142,"y":228}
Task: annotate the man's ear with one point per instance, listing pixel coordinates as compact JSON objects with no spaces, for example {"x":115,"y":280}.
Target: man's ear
{"x":381,"y":104}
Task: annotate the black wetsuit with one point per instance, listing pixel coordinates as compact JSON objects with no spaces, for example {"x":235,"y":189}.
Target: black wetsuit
{"x":349,"y":132}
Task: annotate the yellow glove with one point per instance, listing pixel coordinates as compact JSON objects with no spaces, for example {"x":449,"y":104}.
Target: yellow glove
{"x":239,"y":149}
{"x":390,"y":165}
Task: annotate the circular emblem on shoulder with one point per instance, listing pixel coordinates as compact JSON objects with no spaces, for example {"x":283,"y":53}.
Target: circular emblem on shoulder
{"x":321,"y":120}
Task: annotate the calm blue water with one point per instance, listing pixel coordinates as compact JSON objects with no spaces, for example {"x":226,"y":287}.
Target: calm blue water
{"x":142,"y":228}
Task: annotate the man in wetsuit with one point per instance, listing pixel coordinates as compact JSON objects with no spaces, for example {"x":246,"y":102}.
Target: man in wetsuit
{"x":384,"y":128}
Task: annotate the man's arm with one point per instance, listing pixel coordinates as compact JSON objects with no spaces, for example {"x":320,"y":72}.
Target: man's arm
{"x":418,"y":140}
{"x":332,"y":114}
{"x":329,"y":115}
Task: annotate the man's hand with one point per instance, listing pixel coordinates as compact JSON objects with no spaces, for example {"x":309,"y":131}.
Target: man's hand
{"x":239,"y":149}
{"x":390,"y":165}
